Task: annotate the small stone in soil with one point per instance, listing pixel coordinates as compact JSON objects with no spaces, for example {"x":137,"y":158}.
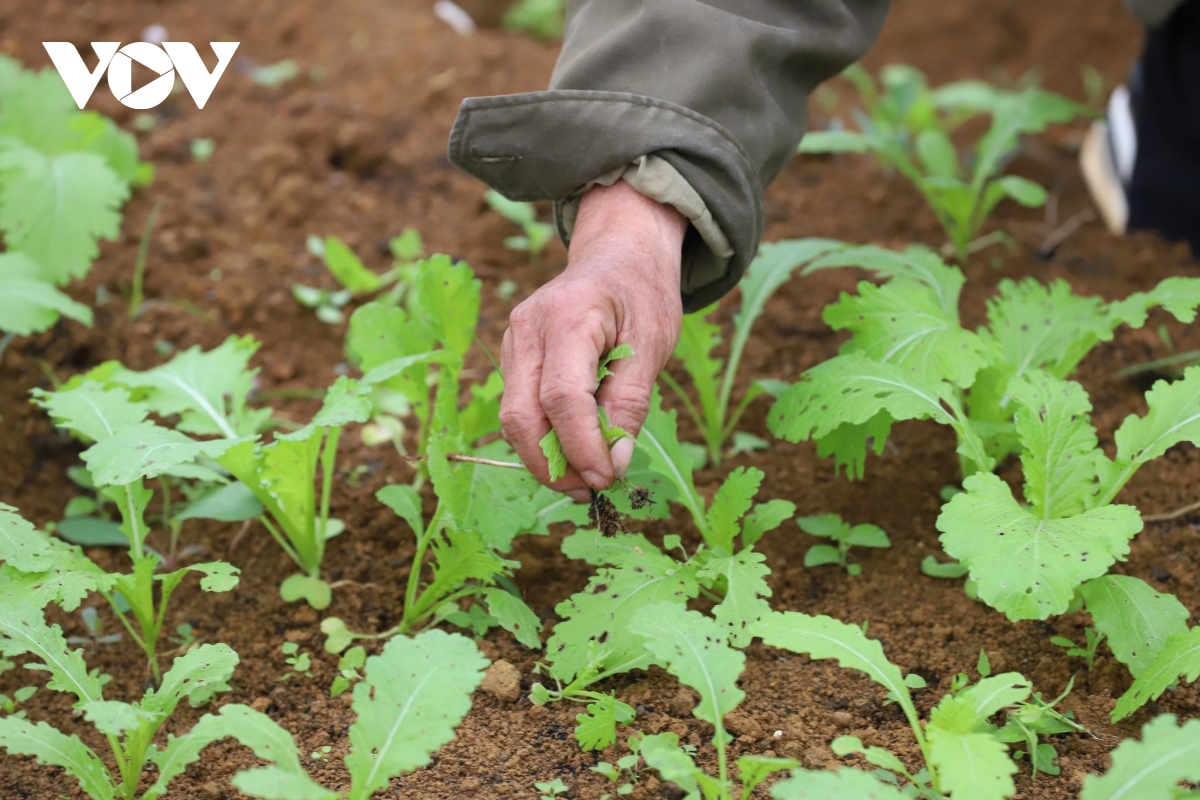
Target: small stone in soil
{"x":503,"y":681}
{"x":604,"y":516}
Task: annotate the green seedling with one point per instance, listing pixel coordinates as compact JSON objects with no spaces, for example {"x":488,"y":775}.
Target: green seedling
{"x":1086,"y":651}
{"x":535,"y":235}
{"x":355,"y":280}
{"x":349,"y":670}
{"x":39,"y":569}
{"x":299,"y":662}
{"x":129,"y":728}
{"x":64,"y":175}
{"x":275,"y":75}
{"x":95,"y":630}
{"x":907,"y":127}
{"x":596,"y":637}
{"x":202,"y":149}
{"x":964,"y":753}
{"x":322,"y":754}
{"x":543,"y":19}
{"x":412,"y":697}
{"x":844,"y":536}
{"x":713,"y":380}
{"x":626,"y":767}
{"x":548,"y":790}
{"x":484,"y":497}
{"x":185,"y":636}
{"x":1004,"y":391}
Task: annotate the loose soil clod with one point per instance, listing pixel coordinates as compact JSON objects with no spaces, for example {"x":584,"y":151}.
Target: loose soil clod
{"x":604,"y":515}
{"x":639,"y":497}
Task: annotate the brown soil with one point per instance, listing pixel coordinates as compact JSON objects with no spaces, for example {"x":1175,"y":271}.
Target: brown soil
{"x":359,"y":154}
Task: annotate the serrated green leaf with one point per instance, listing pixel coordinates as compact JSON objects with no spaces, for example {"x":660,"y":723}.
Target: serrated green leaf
{"x":1136,"y":620}
{"x":753,"y":770}
{"x":30,"y":304}
{"x":845,"y":784}
{"x":848,"y":444}
{"x":853,"y":389}
{"x":348,"y":269}
{"x":53,"y":748}
{"x":218,"y":576}
{"x":1152,"y":768}
{"x":916,"y":263}
{"x":1035,"y":326}
{"x":146,"y":450}
{"x":1179,"y":659}
{"x":21,"y":546}
{"x":971,"y":764}
{"x":460,"y":557}
{"x":745,"y":585}
{"x":765,"y":518}
{"x":411,"y":698}
{"x":1061,"y":456}
{"x":207,"y":390}
{"x":662,"y":752}
{"x":91,"y":409}
{"x":194,"y":671}
{"x":114,"y":718}
{"x":514,"y":616}
{"x":825,"y":637}
{"x":36,"y":108}
{"x":555,"y":457}
{"x":695,"y":649}
{"x":68,"y":582}
{"x":233,"y":502}
{"x":991,"y":694}
{"x":274,"y":783}
{"x":448,"y":296}
{"x":381,"y":334}
{"x":1178,"y":295}
{"x":1173,"y":416}
{"x":599,"y":619}
{"x":1026,"y":567}
{"x":23,"y":630}
{"x":697,"y":339}
{"x":251,"y":728}
{"x":731,"y":502}
{"x":55,"y":208}
{"x":902,"y":323}
{"x":597,"y":729}
{"x":346,"y":401}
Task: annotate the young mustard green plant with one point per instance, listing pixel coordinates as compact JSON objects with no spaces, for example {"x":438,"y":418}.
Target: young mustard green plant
{"x":411,"y":698}
{"x":713,"y":380}
{"x":964,"y":753}
{"x":596,"y":637}
{"x":1003,"y":390}
{"x":908,"y":126}
{"x":64,"y":175}
{"x":534,"y":235}
{"x":844,"y":536}
{"x":355,"y":280}
{"x":128,"y":728}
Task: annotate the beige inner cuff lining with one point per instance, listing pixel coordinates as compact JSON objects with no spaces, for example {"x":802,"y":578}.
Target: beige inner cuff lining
{"x":655,"y":178}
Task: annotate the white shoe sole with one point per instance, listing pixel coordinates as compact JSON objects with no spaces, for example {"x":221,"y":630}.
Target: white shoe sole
{"x":1103,"y":182}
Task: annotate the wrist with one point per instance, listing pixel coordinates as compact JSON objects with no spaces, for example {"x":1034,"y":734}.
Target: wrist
{"x":622,"y":213}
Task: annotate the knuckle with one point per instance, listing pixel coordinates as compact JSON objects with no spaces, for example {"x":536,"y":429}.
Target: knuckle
{"x":558,"y":397}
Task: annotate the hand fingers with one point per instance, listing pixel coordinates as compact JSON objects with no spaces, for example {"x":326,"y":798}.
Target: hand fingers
{"x":521,"y":417}
{"x":568,"y":399}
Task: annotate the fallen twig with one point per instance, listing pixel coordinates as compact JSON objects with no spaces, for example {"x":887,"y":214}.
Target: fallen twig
{"x":1176,"y":514}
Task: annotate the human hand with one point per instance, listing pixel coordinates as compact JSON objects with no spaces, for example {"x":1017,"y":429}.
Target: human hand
{"x":621,"y":285}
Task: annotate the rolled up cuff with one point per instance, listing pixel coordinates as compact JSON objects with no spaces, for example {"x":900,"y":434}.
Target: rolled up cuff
{"x":554,"y":145}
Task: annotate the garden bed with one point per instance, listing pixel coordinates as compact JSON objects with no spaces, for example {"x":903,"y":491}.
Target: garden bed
{"x":360,"y":154}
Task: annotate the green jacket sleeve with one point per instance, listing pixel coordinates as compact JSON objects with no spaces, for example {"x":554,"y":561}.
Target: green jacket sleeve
{"x":713,"y":91}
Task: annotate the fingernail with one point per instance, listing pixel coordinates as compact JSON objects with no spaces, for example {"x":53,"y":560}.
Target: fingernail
{"x":595,"y":479}
{"x":580,"y":495}
{"x":622,"y":454}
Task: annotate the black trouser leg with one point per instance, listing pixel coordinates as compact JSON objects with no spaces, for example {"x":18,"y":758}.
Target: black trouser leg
{"x":1164,"y":194}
